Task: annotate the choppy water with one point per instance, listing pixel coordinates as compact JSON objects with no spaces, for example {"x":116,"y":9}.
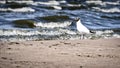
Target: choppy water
{"x":103,"y":19}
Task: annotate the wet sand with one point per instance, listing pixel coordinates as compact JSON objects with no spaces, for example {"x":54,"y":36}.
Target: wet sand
{"x":101,"y":53}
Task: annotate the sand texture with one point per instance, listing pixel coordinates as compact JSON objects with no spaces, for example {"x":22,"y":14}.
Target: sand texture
{"x":102,"y":53}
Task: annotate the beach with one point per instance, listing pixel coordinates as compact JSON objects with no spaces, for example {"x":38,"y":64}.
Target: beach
{"x":99,"y":53}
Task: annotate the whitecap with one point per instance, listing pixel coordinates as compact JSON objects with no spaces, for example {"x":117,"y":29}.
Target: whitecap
{"x":10,"y":32}
{"x":57,"y":7}
{"x":24,"y":9}
{"x":68,"y":31}
{"x":49,"y":3}
{"x":104,"y":32}
{"x":27,"y":2}
{"x":17,"y":32}
{"x":2,"y":2}
{"x":111,"y":10}
{"x":113,"y":3}
{"x":54,"y":4}
{"x":52,"y":24}
{"x":103,"y":3}
{"x":95,"y":2}
{"x":116,"y":35}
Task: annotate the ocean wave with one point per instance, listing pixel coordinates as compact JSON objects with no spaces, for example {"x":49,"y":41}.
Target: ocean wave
{"x":2,"y":2}
{"x":57,"y":7}
{"x":53,"y":4}
{"x":113,"y":3}
{"x":111,"y":17}
{"x":22,"y":1}
{"x":111,"y":10}
{"x":60,"y":34}
{"x":54,"y":33}
{"x":68,"y":31}
{"x":7,"y":26}
{"x":53,"y":24}
{"x":24,"y":9}
{"x":16,"y":32}
{"x":95,"y":2}
{"x":103,"y":3}
{"x":99,"y":32}
{"x":49,"y":3}
{"x":9,"y":32}
{"x":27,"y":2}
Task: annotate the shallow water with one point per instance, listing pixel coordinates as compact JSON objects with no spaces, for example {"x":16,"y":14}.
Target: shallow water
{"x":104,"y":20}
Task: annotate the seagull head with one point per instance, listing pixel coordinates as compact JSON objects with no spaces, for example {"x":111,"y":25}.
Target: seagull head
{"x":77,"y":19}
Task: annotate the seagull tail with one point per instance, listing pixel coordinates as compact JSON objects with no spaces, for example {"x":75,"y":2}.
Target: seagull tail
{"x":92,"y":31}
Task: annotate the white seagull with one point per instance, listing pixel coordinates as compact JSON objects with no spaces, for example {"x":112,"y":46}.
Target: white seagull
{"x":81,"y":28}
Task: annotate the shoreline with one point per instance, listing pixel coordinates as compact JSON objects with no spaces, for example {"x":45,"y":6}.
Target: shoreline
{"x":100,"y":53}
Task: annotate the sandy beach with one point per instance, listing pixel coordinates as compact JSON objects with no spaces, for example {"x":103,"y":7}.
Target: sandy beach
{"x":101,"y":53}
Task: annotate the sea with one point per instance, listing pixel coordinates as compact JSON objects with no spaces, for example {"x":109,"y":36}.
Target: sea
{"x":102,"y":18}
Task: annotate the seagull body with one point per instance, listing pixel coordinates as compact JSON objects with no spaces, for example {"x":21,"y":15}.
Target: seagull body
{"x":81,"y":28}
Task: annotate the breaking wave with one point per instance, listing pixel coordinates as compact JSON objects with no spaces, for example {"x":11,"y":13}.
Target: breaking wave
{"x":111,"y":10}
{"x":54,"y":34}
{"x":24,"y":9}
{"x":103,"y":3}
{"x":53,"y":24}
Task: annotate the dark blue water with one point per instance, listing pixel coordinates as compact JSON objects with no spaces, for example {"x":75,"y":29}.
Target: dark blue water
{"x":102,"y":18}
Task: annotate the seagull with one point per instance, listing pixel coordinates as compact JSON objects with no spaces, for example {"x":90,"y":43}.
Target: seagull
{"x":81,"y":28}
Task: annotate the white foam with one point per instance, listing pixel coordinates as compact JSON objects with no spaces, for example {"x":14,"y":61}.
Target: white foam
{"x":111,"y":10}
{"x":18,"y":32}
{"x":67,"y":31}
{"x":30,"y":1}
{"x":52,"y":24}
{"x":62,"y":1}
{"x":54,"y":4}
{"x":27,"y":2}
{"x":57,"y":7}
{"x":96,"y":2}
{"x":24,"y":9}
{"x":116,"y":35}
{"x":104,"y":32}
{"x":103,"y":3}
{"x":49,"y":3}
{"x":10,"y":32}
{"x":2,"y":2}
{"x":113,"y":3}
{"x":12,"y":19}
